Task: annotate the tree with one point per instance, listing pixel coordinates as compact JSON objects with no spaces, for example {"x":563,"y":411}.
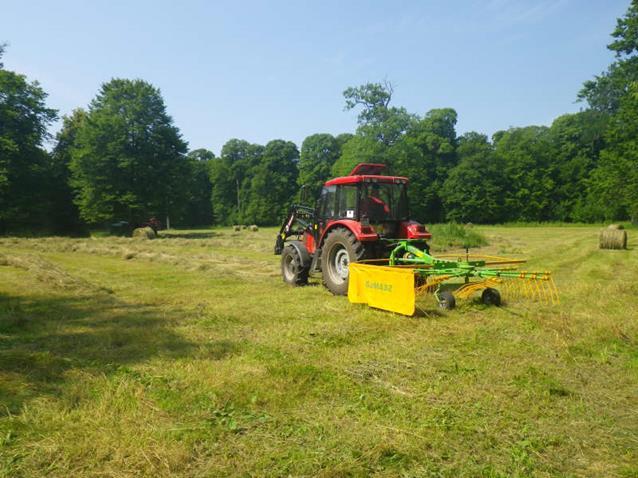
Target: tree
{"x":198,"y":210}
{"x":425,"y":155}
{"x":526,"y":155}
{"x":272,"y":186}
{"x":473,"y":190}
{"x":64,"y":212}
{"x":613,"y":186}
{"x":231,"y":176}
{"x":24,"y":118}
{"x":359,"y":149}
{"x":605,"y":91}
{"x":576,"y":142}
{"x":129,"y":158}
{"x":318,"y":153}
{"x":377,"y":119}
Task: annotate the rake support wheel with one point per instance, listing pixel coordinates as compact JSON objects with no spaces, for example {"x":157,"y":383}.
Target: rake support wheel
{"x":491,"y":296}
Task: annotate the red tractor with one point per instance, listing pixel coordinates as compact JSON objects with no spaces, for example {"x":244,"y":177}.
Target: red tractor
{"x":359,"y":216}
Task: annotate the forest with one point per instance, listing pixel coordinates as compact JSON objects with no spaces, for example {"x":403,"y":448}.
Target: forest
{"x":122,"y":158}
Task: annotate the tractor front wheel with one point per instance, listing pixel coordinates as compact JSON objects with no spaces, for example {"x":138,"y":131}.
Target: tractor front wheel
{"x":340,"y":248}
{"x":292,"y":268}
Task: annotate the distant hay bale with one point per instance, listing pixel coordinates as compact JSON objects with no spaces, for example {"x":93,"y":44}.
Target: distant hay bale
{"x":244,"y":226}
{"x":254,"y":228}
{"x":236,"y":228}
{"x":470,"y":225}
{"x":618,"y":227}
{"x":144,"y":233}
{"x":612,"y":239}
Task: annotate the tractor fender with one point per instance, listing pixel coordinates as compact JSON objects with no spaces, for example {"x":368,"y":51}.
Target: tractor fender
{"x":362,"y":233}
{"x":303,"y":252}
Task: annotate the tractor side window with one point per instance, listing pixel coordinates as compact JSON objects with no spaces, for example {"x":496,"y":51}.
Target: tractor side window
{"x":328,"y":201}
{"x":347,"y":200}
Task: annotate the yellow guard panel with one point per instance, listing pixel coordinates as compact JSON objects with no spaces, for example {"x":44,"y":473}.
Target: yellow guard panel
{"x":383,"y":287}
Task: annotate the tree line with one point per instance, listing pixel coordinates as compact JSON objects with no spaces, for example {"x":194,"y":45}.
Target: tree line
{"x":122,"y":158}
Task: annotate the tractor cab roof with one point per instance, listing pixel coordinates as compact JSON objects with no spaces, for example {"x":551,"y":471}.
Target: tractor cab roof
{"x":367,"y":172}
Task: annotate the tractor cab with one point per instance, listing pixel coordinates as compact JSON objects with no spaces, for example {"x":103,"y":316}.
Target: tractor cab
{"x":378,"y":203}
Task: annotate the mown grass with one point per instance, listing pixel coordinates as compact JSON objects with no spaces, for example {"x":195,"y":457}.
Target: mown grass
{"x":187,"y":356}
{"x":454,"y":235}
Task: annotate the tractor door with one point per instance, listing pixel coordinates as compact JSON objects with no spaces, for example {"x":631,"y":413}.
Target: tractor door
{"x":326,"y":207}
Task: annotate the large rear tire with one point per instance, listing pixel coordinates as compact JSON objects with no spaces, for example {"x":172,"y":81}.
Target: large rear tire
{"x":340,"y":248}
{"x":293,"y":270}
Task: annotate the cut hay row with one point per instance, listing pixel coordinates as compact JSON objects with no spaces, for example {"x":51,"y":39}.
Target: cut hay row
{"x":49,"y":273}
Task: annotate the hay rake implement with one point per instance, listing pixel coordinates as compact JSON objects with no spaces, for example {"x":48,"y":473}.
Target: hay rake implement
{"x":394,"y":284}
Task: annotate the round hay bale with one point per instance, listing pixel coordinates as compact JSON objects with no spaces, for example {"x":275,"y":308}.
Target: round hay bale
{"x":144,"y":233}
{"x":254,"y":228}
{"x":236,"y":228}
{"x":617,"y":227}
{"x":612,"y":239}
{"x":244,"y":226}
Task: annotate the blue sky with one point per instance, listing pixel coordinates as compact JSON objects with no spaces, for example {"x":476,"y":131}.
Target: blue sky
{"x":262,"y":70}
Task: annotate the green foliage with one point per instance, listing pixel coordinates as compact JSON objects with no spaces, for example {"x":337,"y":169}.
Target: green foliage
{"x":614,"y":184}
{"x":231,"y":177}
{"x":65,"y":212}
{"x":473,"y":190}
{"x":605,"y":91}
{"x":455,"y":235}
{"x":426,"y":155}
{"x":318,"y":153}
{"x":128,"y":160}
{"x":527,"y":160}
{"x":358,"y":149}
{"x":377,"y":119}
{"x":25,"y":168}
{"x":271,"y":188}
{"x":197,"y":208}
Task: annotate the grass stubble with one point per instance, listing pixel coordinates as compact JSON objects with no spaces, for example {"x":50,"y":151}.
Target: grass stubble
{"x":188,"y":356}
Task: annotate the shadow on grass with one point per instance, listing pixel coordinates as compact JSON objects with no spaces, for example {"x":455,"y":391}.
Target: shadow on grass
{"x":42,"y":338}
{"x":188,"y":235}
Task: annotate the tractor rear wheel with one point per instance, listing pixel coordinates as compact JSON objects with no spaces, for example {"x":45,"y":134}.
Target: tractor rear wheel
{"x":340,"y":248}
{"x":292,"y":268}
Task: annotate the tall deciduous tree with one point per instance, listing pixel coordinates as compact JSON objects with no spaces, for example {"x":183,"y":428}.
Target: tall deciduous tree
{"x":24,"y":165}
{"x":425,"y":155}
{"x":231,"y":176}
{"x":527,"y":158}
{"x":605,"y":91}
{"x":614,"y":184}
{"x":318,"y":153}
{"x":64,"y":212}
{"x":198,"y":210}
{"x":473,"y":190}
{"x":129,"y":158}
{"x":273,"y":183}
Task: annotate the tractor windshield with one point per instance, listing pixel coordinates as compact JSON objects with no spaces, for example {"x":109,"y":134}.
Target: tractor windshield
{"x":382,"y":202}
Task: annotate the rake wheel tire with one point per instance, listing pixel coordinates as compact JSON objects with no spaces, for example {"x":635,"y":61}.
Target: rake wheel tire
{"x":446,"y":300}
{"x":491,"y":296}
{"x":340,"y":248}
{"x":292,"y":268}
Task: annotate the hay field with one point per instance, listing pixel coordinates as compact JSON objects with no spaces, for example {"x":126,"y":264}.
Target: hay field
{"x":188,"y":356}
